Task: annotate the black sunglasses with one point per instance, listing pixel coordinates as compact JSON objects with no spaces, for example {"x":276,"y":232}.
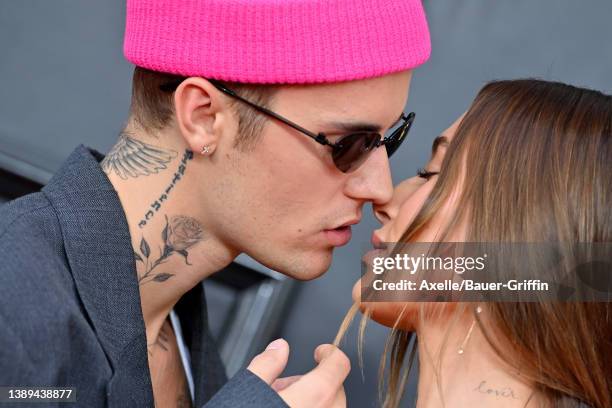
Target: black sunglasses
{"x":349,"y":152}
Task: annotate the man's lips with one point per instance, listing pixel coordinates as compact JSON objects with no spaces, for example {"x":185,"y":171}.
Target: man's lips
{"x":339,"y":236}
{"x":342,"y":234}
{"x":350,"y":222}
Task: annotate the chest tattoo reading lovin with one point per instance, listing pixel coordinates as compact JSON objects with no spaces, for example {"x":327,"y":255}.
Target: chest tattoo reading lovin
{"x":180,"y":234}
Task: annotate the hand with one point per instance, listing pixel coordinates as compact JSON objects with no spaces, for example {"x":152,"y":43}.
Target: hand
{"x":319,"y":388}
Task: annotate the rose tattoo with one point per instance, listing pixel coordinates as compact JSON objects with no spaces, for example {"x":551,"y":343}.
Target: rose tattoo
{"x":179,"y":234}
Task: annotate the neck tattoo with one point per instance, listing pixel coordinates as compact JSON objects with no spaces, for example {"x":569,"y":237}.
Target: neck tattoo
{"x":180,"y":234}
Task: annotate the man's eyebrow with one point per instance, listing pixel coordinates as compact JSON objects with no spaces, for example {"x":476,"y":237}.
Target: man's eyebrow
{"x":357,"y":126}
{"x":439,"y":141}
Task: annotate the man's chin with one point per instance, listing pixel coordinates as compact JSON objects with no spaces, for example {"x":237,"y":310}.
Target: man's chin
{"x":306,"y":274}
{"x":305,"y":267}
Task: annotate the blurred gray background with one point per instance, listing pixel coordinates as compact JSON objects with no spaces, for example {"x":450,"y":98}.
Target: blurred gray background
{"x":63,"y":81}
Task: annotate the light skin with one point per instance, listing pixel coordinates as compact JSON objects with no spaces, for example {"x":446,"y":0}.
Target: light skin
{"x":475,"y":378}
{"x":190,"y":215}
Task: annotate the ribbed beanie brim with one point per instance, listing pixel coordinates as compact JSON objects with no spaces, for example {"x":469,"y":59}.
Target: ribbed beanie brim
{"x":277,"y":41}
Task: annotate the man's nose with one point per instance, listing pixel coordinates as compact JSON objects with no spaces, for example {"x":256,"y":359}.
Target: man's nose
{"x":383,"y":213}
{"x":372,"y":180}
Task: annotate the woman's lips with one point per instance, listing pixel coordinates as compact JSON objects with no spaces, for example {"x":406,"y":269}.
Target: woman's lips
{"x":376,"y":241}
{"x":339,"y":236}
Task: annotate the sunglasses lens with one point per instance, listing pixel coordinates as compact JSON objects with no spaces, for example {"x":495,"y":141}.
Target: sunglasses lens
{"x":396,"y":138}
{"x":353,"y":150}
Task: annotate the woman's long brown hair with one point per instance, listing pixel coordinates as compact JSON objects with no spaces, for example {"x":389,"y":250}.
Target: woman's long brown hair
{"x":538,"y":169}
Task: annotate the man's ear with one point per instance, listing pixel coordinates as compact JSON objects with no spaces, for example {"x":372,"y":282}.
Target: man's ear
{"x":199,"y":109}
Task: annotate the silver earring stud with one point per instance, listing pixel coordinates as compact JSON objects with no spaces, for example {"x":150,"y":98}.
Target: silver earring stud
{"x":205,"y":150}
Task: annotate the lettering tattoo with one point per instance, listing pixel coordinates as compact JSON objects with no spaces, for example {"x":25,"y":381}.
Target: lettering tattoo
{"x":156,"y":205}
{"x":506,"y":392}
{"x":180,"y":233}
{"x":130,"y":157}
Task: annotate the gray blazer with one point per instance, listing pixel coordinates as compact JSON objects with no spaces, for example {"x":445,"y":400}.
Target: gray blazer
{"x":70,"y":306}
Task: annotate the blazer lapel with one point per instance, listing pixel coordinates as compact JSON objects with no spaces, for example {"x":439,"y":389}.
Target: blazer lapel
{"x":99,"y":251}
{"x":207,"y":368}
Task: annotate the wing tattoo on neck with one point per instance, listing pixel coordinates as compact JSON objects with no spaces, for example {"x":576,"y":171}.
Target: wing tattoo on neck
{"x":130,"y":157}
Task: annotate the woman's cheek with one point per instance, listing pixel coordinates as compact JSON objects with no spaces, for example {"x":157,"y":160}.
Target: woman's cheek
{"x":408,"y":211}
{"x":388,"y":314}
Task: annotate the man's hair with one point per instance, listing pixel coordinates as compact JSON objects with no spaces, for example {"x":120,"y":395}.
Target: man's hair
{"x":152,"y":108}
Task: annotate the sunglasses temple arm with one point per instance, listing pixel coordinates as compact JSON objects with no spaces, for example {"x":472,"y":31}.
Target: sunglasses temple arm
{"x":404,"y":128}
{"x":320,"y":138}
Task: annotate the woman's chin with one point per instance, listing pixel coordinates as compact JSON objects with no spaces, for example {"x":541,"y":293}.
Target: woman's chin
{"x":398,"y":315}
{"x":401,"y":315}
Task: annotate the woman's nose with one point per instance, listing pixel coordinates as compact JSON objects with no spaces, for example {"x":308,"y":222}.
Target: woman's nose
{"x":387,"y":212}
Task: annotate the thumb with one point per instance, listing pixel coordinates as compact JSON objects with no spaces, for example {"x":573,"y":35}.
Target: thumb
{"x":271,"y":363}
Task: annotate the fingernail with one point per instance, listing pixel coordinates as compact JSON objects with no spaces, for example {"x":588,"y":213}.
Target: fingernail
{"x":323,"y":351}
{"x":275,"y":345}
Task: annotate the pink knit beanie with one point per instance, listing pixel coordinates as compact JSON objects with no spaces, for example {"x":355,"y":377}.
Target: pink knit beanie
{"x":277,"y":41}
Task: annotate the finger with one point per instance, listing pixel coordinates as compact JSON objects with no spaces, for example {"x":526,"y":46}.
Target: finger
{"x":333,"y":365}
{"x":320,"y":386}
{"x":271,"y":363}
{"x":340,"y":400}
{"x":282,"y":383}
